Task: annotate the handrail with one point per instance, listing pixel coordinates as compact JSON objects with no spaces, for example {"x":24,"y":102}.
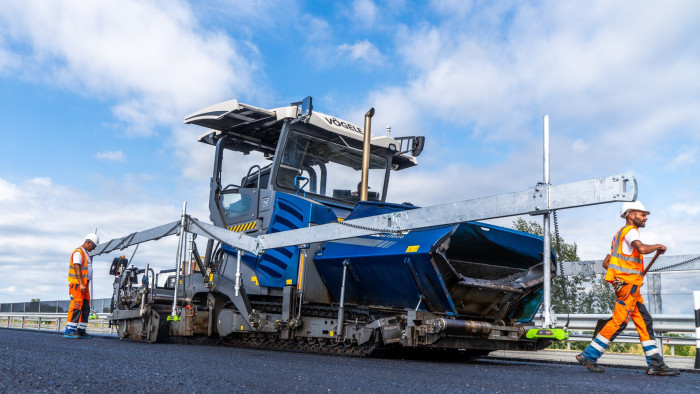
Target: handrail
{"x":257,"y":189}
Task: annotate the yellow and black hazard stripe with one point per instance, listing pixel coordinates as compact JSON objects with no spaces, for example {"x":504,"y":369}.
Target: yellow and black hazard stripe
{"x":244,"y":226}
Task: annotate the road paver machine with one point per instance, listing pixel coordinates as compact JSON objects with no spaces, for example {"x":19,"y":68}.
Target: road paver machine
{"x":304,"y":251}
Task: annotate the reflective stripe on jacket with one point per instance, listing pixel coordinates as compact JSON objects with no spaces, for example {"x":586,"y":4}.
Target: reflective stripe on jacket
{"x":72,"y":277}
{"x":628,"y":268}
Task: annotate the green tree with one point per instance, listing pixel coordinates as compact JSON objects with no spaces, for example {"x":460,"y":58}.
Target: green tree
{"x":577,"y":293}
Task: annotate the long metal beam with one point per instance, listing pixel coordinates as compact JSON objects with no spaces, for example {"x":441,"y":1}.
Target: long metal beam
{"x":532,"y":201}
{"x":236,"y":240}
{"x":137,"y":238}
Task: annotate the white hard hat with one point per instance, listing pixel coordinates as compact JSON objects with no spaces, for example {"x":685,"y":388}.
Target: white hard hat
{"x":632,"y":206}
{"x":93,"y":237}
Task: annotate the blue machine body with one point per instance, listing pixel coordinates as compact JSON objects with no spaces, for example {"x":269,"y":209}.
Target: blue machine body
{"x":436,"y":269}
{"x":279,"y":267}
{"x":385,"y":269}
{"x":466,"y":270}
{"x":417,"y":269}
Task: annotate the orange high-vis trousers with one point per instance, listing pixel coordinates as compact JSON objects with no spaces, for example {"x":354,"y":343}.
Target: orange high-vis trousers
{"x":629,"y":305}
{"x":79,"y":308}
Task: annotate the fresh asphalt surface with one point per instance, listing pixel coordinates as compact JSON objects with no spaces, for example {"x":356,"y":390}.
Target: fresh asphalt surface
{"x":33,"y":361}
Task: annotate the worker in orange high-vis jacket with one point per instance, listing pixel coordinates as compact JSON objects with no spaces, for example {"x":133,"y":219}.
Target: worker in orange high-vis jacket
{"x":79,"y":277}
{"x":625,"y":271}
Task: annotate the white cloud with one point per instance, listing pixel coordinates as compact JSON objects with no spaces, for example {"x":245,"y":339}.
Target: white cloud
{"x":41,"y":181}
{"x":686,"y":208}
{"x":364,"y":12}
{"x":616,"y":79}
{"x":117,"y":155}
{"x":458,"y":181}
{"x":152,"y":62}
{"x":9,"y":290}
{"x":264,"y":15}
{"x":579,"y":146}
{"x":151,"y":57}
{"x":363,"y":51}
{"x":684,"y":158}
{"x":8,"y":191}
{"x":43,"y":224}
{"x":615,"y":62}
{"x":8,"y":60}
{"x":453,"y":8}
{"x":476,"y":83}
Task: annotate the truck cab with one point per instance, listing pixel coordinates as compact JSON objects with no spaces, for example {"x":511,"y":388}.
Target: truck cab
{"x":316,"y":157}
{"x":306,"y":172}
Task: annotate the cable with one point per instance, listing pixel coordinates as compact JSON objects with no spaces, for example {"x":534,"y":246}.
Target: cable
{"x":675,"y":265}
{"x":560,"y":260}
{"x":398,"y":232}
{"x":557,"y":243}
{"x":378,"y":230}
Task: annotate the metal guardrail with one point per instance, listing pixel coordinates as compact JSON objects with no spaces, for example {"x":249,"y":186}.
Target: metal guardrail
{"x":578,"y":324}
{"x":52,"y":322}
{"x":663,"y":324}
{"x":681,"y":323}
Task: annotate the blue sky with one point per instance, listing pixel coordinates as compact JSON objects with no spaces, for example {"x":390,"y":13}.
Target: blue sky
{"x":93,"y":94}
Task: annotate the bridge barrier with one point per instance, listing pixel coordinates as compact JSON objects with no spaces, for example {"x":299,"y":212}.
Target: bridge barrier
{"x":581,"y":328}
{"x":52,"y":322}
{"x":580,"y":325}
{"x":100,"y":305}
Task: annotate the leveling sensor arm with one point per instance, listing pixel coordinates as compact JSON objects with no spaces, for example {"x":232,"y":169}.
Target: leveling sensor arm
{"x":137,"y":238}
{"x":535,"y":201}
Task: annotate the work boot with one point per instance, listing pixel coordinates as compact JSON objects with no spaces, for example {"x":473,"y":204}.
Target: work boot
{"x":84,"y":335}
{"x":72,"y":335}
{"x":663,"y":370}
{"x":591,"y":365}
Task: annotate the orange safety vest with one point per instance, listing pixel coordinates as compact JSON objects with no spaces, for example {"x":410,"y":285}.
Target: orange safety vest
{"x":628,"y":268}
{"x":72,"y":277}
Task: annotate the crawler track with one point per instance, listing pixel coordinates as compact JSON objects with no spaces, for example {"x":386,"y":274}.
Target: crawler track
{"x":270,"y":341}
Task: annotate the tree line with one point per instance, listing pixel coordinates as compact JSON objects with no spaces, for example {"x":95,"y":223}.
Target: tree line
{"x":575,"y":293}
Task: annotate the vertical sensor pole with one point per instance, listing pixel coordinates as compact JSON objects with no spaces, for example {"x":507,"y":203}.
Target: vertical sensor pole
{"x":238,"y":273}
{"x":365,"y":154}
{"x":178,"y":258}
{"x":142,"y":311}
{"x":696,"y":297}
{"x":545,"y":227}
{"x":341,"y":307}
